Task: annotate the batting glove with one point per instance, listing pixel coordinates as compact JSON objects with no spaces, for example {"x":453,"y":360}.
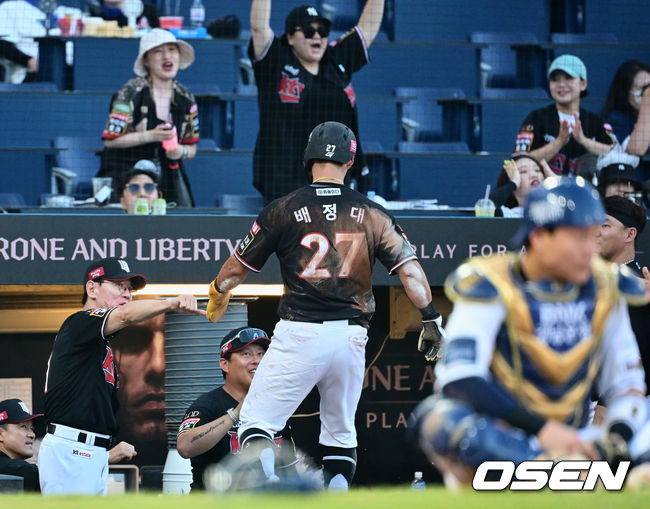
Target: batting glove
{"x":430,"y":337}
{"x":217,"y":304}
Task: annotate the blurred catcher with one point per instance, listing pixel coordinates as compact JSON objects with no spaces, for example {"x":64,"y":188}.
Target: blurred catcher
{"x":530,"y":339}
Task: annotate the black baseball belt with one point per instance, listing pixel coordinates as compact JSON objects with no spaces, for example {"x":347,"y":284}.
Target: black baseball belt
{"x":77,"y":435}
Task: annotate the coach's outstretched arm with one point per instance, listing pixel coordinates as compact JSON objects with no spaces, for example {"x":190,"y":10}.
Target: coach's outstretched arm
{"x":418,"y":291}
{"x":231,"y":274}
{"x":140,"y":310}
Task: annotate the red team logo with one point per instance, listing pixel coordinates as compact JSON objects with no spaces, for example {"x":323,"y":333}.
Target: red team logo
{"x":109,"y":366}
{"x":235,"y":447}
{"x":290,"y":89}
{"x":349,"y":91}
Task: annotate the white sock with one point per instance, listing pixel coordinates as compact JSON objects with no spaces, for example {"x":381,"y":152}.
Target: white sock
{"x":267,"y":459}
{"x":338,"y":483}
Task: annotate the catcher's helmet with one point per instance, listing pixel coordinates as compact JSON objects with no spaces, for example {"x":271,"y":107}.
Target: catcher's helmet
{"x":330,"y":141}
{"x":560,"y":201}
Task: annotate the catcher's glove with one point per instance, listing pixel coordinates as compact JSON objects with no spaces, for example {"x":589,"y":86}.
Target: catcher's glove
{"x":430,"y":337}
{"x":612,"y":448}
{"x":217,"y":304}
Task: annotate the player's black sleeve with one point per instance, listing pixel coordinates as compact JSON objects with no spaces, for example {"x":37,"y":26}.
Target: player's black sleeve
{"x":350,"y":51}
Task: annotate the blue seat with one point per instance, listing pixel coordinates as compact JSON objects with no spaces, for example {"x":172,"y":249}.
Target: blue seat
{"x":587,"y":38}
{"x":343,"y":14}
{"x":241,"y":203}
{"x":627,"y":19}
{"x":514,"y":93}
{"x":457,"y":180}
{"x":77,"y":162}
{"x":429,"y":114}
{"x":502,"y":112}
{"x":441,"y":147}
{"x":419,"y":64}
{"x":26,"y":171}
{"x":505,"y":58}
{"x":454,"y":20}
{"x":37,"y":86}
{"x":212,"y":173}
{"x":10,"y":201}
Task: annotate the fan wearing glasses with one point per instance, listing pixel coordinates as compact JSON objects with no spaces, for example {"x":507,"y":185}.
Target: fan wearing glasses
{"x":139,"y":183}
{"x":304,"y":79}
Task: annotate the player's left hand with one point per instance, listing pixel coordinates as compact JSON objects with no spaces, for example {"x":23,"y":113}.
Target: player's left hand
{"x":217,"y":304}
{"x":430,"y":337}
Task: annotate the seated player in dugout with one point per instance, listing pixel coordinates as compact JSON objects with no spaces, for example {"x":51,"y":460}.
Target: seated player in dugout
{"x":208,"y":433}
{"x":17,"y":442}
{"x":563,"y":132}
{"x":530,"y":339}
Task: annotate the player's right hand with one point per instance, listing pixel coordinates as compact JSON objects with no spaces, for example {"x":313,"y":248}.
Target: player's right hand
{"x":217,"y":304}
{"x":430,"y":337}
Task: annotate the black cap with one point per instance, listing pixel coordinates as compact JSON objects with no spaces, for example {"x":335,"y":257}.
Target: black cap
{"x":239,"y":339}
{"x":626,"y":211}
{"x":113,"y":269}
{"x":618,"y":171}
{"x":330,"y":141}
{"x":14,"y":410}
{"x":302,"y":16}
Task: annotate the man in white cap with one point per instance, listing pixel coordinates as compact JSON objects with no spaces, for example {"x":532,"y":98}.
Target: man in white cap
{"x":563,"y":132}
{"x":154,"y":117}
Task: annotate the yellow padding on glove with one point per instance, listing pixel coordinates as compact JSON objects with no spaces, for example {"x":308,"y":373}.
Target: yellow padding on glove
{"x":217,"y":304}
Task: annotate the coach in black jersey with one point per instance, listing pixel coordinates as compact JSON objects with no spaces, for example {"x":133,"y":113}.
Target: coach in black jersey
{"x":304,"y":78}
{"x":208,"y":432}
{"x":326,"y":237}
{"x":82,"y":379}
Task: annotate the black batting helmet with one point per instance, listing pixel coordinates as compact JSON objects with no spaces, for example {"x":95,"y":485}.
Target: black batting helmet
{"x":330,"y":141}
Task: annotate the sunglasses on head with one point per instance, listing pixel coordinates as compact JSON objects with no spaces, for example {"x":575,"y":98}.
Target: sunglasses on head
{"x":310,"y":31}
{"x":149,"y":188}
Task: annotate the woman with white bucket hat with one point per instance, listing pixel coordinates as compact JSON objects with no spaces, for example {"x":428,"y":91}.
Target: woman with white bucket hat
{"x":154,"y":117}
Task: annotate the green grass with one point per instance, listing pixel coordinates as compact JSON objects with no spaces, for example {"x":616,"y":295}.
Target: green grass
{"x":376,"y":498}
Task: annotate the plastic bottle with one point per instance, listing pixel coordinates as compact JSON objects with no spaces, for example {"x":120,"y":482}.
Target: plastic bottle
{"x":418,"y":483}
{"x":197,"y":14}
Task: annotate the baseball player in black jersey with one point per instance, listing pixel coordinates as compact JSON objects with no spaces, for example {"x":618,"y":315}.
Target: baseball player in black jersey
{"x":208,"y":432}
{"x":326,"y":237}
{"x":82,"y":379}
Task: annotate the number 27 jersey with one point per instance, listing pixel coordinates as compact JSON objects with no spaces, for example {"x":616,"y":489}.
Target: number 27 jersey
{"x":326,"y":238}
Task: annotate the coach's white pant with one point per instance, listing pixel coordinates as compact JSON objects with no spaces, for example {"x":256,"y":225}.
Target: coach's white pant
{"x":69,"y":467}
{"x":302,"y":355}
